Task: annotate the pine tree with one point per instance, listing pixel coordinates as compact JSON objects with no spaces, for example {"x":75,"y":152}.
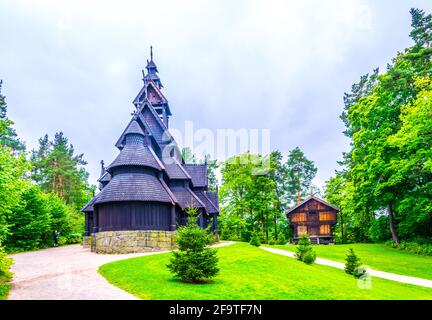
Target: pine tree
{"x":422,"y":27}
{"x":8,"y":135}
{"x":281,"y":239}
{"x":301,"y":172}
{"x":304,"y":251}
{"x":57,"y":169}
{"x":193,"y":262}
{"x":255,"y":239}
{"x":352,"y":264}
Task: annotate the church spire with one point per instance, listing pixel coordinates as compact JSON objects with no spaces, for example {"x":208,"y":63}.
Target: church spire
{"x":152,"y":71}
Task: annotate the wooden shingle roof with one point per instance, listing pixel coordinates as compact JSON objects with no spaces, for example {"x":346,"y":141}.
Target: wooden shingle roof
{"x":309,"y":199}
{"x":209,"y":205}
{"x":186,"y":197}
{"x":198,"y":174}
{"x":136,"y":155}
{"x":133,"y":187}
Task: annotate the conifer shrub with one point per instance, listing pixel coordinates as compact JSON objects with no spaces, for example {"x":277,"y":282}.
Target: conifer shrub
{"x":281,"y":239}
{"x":304,"y":251}
{"x":353,"y":264}
{"x":255,"y":239}
{"x":193,"y":261}
{"x":271,"y":242}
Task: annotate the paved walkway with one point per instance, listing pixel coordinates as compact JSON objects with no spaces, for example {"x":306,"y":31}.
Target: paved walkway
{"x":374,"y":273}
{"x":66,"y":273}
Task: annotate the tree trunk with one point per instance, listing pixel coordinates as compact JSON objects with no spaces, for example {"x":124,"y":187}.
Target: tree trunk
{"x":392,"y":224}
{"x":275,"y":226}
{"x":342,"y":228}
{"x":267,"y":227}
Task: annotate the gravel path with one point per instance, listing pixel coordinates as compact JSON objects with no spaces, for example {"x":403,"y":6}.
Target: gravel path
{"x":64,"y":273}
{"x":67,"y":273}
{"x":374,"y":273}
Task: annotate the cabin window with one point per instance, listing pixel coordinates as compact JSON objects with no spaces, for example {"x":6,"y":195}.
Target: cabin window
{"x":298,"y":217}
{"x":325,"y":229}
{"x":326,"y":216}
{"x":301,"y":230}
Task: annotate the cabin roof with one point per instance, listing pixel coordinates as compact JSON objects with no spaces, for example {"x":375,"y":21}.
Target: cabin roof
{"x":198,"y":174}
{"x":309,"y":199}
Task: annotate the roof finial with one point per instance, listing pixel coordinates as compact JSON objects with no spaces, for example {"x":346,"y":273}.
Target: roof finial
{"x":151,"y":53}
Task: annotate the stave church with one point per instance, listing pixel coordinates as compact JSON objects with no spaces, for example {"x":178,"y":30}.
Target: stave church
{"x":146,"y":190}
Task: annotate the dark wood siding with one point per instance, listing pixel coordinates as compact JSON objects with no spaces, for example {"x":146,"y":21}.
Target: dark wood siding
{"x":314,"y":218}
{"x":116,"y":216}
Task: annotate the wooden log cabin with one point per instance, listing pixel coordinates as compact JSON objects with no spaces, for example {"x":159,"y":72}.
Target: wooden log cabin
{"x":313,"y":217}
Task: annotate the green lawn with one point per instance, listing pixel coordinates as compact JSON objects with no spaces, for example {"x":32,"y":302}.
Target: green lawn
{"x":376,"y":256}
{"x":248,"y":272}
{"x":5,"y":278}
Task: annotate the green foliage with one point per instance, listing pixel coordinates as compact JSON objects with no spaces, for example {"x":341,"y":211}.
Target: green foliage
{"x":193,"y":262}
{"x":309,"y":257}
{"x":271,"y":242}
{"x":281,"y":239}
{"x":304,"y":251}
{"x":301,"y":171}
{"x":255,"y":239}
{"x":257,"y":190}
{"x":353,"y":264}
{"x":379,"y":230}
{"x":8,"y":135}
{"x":412,"y":247}
{"x":5,"y":274}
{"x":29,"y":222}
{"x":56,"y":169}
{"x":388,"y":169}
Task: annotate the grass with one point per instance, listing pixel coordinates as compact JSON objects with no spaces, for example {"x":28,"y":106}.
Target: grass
{"x":377,"y":257}
{"x":248,"y":272}
{"x":5,"y":278}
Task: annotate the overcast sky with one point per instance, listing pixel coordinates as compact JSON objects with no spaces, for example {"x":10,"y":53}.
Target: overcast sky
{"x":75,"y":66}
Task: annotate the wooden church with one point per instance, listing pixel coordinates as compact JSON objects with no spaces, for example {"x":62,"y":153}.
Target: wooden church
{"x":313,"y":217}
{"x":145,"y":191}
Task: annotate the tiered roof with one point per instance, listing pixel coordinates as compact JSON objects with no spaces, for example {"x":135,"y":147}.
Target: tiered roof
{"x":155,"y":180}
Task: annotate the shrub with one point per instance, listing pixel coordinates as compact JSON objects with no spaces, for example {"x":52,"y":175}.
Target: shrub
{"x":304,"y":251}
{"x":272,"y":242}
{"x":281,"y":238}
{"x":309,"y":257}
{"x":412,"y":247}
{"x":193,"y":262}
{"x":352,"y":264}
{"x":255,"y":239}
{"x":5,"y":275}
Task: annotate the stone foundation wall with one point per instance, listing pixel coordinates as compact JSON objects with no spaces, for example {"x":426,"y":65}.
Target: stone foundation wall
{"x":133,"y":241}
{"x":87,"y":241}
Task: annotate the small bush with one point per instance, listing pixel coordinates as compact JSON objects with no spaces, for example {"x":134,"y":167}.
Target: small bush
{"x":309,"y":257}
{"x":255,"y":239}
{"x":412,"y":247}
{"x":193,"y":262}
{"x":352,"y":264}
{"x":272,"y":242}
{"x":304,"y":251}
{"x":5,"y":275}
{"x":281,"y":239}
